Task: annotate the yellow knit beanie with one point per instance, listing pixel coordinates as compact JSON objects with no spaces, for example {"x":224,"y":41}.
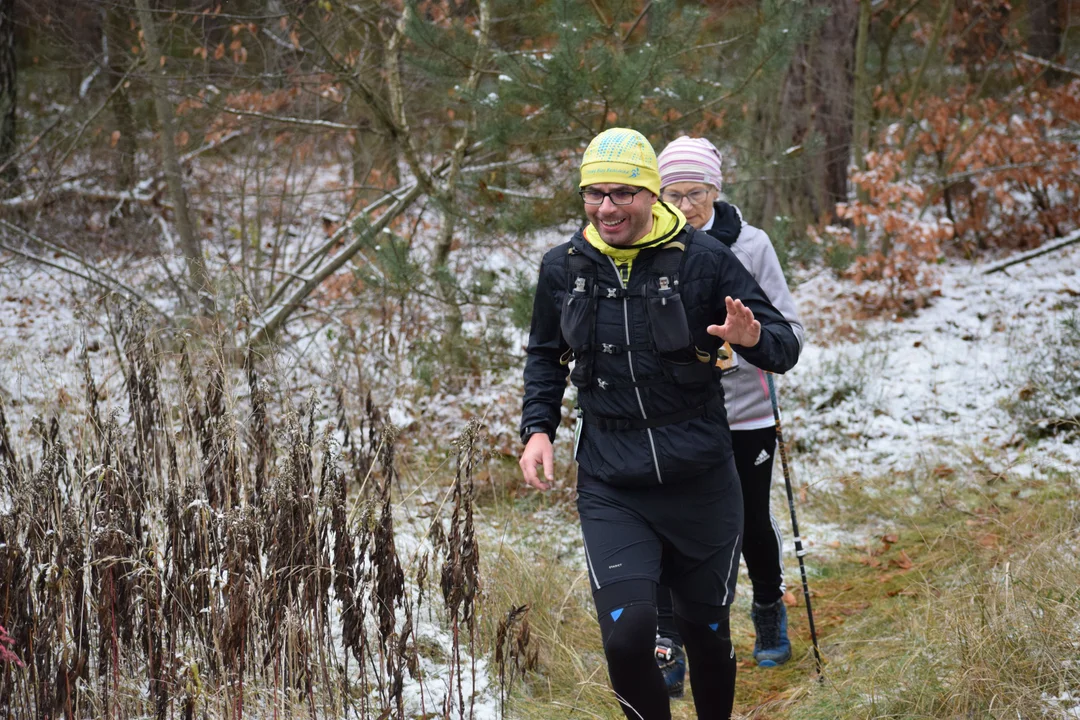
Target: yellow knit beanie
{"x":620,"y":155}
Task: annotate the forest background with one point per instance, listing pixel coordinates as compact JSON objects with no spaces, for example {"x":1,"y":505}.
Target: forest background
{"x":299,"y":241}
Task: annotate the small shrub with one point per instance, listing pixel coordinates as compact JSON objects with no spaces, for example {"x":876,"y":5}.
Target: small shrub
{"x":1049,"y":402}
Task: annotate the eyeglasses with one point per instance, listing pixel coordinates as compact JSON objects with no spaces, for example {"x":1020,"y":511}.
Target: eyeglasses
{"x":696,"y":197}
{"x":617,"y":197}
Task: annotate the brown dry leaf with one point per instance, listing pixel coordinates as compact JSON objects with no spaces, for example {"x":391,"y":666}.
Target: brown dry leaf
{"x":835,"y":544}
{"x":219,"y":51}
{"x":943,"y":471}
{"x":854,"y":608}
{"x":890,"y":538}
{"x":904,"y":562}
{"x":987,"y":540}
{"x":114,"y":138}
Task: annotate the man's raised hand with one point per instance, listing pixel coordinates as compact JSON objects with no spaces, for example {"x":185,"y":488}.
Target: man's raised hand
{"x":740,"y":328}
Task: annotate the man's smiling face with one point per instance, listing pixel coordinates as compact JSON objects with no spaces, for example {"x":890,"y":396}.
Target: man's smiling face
{"x":621,"y":225}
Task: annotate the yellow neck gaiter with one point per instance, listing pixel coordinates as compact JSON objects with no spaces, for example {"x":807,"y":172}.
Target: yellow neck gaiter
{"x":667,"y":222}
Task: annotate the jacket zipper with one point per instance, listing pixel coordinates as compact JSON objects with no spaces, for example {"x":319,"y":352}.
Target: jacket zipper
{"x":633,"y":378}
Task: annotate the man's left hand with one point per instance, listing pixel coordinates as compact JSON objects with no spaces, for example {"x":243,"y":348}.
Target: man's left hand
{"x":740,"y":328}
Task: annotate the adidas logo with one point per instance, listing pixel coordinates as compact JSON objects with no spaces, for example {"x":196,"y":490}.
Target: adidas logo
{"x":763,"y":457}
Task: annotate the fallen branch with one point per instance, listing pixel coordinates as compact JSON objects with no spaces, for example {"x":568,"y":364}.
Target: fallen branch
{"x":90,"y":193}
{"x":957,"y":177}
{"x":1070,"y":239}
{"x":297,"y":273}
{"x":1049,"y":64}
{"x":266,"y":329}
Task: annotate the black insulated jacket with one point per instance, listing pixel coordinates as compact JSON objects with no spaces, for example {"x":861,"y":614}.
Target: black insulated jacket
{"x":646,"y":413}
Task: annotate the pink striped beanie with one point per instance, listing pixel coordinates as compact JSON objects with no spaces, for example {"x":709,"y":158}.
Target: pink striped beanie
{"x":688,"y":159}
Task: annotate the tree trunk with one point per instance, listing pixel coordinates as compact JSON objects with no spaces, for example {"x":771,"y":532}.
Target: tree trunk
{"x":861,"y":124}
{"x":113,"y":25}
{"x":9,"y":170}
{"x":833,"y":84}
{"x":1044,"y":39}
{"x":189,"y":240}
{"x":810,"y":131}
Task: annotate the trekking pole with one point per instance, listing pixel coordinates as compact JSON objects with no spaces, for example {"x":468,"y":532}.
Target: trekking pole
{"x":799,"y":552}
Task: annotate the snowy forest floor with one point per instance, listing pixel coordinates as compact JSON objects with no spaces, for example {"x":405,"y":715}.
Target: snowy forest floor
{"x":935,"y":463}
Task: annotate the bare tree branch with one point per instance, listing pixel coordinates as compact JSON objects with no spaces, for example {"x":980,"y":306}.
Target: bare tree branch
{"x":75,"y":258}
{"x":395,"y":89}
{"x":321,"y":124}
{"x":957,"y":177}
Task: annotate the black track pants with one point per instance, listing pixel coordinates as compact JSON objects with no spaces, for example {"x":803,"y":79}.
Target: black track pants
{"x":762,"y":547}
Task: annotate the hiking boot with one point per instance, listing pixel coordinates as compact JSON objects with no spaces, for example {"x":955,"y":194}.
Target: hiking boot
{"x":672,"y":663}
{"x":771,"y":646}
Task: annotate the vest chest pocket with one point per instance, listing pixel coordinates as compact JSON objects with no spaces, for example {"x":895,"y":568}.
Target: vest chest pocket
{"x":579,"y":315}
{"x":667,"y":319}
{"x":578,"y":324}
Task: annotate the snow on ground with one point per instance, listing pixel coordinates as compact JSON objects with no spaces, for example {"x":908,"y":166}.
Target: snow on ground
{"x":930,"y":389}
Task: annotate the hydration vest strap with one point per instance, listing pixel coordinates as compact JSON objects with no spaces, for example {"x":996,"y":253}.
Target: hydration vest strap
{"x":654,"y":381}
{"x":614,"y":349}
{"x":607,"y":423}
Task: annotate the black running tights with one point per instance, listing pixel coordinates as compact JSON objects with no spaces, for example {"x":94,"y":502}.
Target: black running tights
{"x":629,"y":638}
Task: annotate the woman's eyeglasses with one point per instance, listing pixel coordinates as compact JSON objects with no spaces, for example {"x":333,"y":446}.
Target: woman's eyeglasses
{"x":696,"y":197}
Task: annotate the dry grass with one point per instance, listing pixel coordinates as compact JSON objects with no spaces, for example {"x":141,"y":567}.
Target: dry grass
{"x":964,"y":606}
{"x":195,"y":556}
